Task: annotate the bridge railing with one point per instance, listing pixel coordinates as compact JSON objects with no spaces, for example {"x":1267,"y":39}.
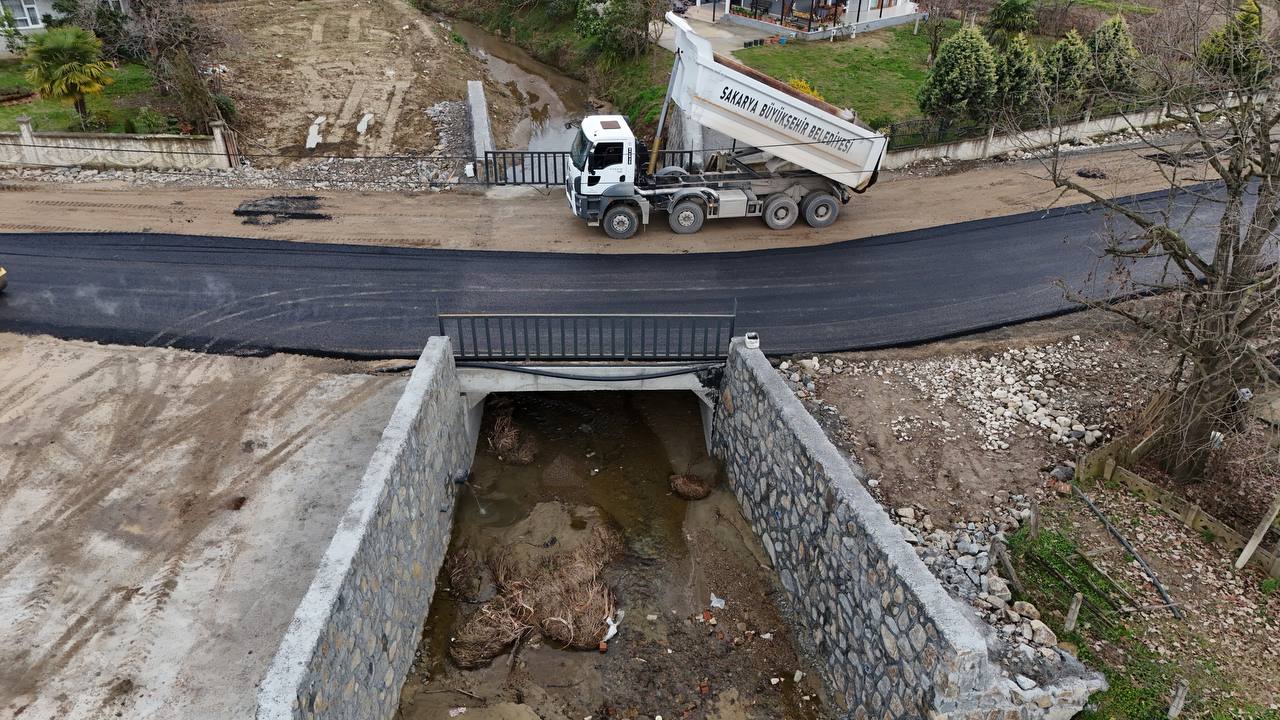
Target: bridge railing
{"x":547,"y":168}
{"x":544,"y":337}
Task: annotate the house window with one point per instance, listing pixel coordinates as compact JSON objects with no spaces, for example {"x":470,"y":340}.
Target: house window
{"x":25,"y":13}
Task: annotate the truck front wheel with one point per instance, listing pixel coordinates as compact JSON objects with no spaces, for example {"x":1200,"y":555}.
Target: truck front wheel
{"x":686,"y":217}
{"x":820,"y":209}
{"x":780,"y":212}
{"x":620,"y":221}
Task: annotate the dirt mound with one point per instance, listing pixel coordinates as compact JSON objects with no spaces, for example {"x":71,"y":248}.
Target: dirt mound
{"x":547,"y":571}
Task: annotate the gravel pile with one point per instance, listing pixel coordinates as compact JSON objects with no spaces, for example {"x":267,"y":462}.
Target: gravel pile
{"x":1019,"y":388}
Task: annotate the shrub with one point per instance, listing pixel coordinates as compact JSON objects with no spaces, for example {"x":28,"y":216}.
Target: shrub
{"x":226,"y":106}
{"x":799,"y":83}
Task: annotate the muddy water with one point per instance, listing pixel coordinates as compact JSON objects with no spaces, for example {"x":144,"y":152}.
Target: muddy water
{"x":553,"y":102}
{"x":610,"y":455}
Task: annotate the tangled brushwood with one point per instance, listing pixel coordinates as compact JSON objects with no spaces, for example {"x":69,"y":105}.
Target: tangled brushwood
{"x":505,"y":439}
{"x":563,"y":597}
{"x":690,"y":487}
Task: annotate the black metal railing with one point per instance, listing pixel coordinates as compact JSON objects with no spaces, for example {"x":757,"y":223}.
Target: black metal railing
{"x":525,"y":167}
{"x":549,"y":167}
{"x":588,"y":337}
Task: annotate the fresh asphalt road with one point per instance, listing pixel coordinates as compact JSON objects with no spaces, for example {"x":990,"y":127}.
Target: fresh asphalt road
{"x":248,"y":296}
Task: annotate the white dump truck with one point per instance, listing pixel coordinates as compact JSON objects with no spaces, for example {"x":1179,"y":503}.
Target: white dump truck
{"x":791,"y":155}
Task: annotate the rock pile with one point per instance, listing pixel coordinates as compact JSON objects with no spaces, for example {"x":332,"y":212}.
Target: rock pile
{"x":1020,"y":387}
{"x":962,"y":559}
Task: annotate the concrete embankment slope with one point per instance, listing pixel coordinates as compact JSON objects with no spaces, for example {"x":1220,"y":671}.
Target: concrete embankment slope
{"x":353,"y":636}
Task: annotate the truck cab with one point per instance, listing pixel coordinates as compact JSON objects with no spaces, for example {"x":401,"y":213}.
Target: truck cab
{"x":602,"y":167}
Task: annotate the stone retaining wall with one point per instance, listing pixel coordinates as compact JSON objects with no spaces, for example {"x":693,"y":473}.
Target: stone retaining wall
{"x":895,"y":644}
{"x":348,"y":649}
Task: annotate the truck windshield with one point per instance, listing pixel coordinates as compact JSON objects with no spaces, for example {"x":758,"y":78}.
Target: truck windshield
{"x":581,"y":148}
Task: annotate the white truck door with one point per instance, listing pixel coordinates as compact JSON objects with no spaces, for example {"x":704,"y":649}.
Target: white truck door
{"x":610,"y":163}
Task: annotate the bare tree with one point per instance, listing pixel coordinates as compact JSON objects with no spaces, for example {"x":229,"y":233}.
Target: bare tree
{"x":941,"y":13}
{"x":1211,"y":247}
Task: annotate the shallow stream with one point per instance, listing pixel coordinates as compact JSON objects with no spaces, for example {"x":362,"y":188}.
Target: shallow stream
{"x":606,"y":459}
{"x":552,"y":102}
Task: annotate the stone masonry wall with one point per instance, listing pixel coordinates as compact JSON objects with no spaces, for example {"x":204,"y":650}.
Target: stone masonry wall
{"x":895,"y":644}
{"x":349,"y":646}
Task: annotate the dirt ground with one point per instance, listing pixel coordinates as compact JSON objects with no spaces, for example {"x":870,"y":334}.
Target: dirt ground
{"x":908,"y":416}
{"x":160,"y":516}
{"x":895,"y":427}
{"x":676,"y":654}
{"x":291,"y":61}
{"x":530,"y":220}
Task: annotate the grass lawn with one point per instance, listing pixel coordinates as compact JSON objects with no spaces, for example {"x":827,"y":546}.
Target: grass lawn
{"x":133,"y":88}
{"x":877,"y":74}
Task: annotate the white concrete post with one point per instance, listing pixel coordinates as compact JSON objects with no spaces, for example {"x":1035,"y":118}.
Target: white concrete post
{"x":28,"y":154}
{"x":223,"y":160}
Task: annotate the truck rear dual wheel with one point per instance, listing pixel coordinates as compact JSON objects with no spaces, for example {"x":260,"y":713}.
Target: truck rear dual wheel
{"x":620,"y":221}
{"x":686,"y":217}
{"x":819,"y":209}
{"x":780,"y":212}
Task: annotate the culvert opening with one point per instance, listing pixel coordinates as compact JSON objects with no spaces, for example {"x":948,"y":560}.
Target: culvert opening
{"x":569,"y":534}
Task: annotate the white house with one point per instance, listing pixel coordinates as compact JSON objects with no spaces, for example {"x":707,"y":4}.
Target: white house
{"x":30,"y":14}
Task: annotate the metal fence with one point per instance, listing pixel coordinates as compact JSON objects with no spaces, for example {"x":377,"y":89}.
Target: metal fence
{"x":548,"y":167}
{"x":588,"y":337}
{"x":928,"y":131}
{"x":525,"y":167}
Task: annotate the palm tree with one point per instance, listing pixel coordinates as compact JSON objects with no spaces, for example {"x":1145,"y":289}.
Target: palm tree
{"x":66,"y":64}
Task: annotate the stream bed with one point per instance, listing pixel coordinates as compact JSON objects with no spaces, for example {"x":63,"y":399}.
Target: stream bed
{"x":549,"y":103}
{"x":570,"y":509}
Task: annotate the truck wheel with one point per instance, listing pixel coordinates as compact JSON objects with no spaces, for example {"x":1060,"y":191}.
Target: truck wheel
{"x":686,"y":217}
{"x":780,"y":212}
{"x":620,"y":221}
{"x":820,"y":209}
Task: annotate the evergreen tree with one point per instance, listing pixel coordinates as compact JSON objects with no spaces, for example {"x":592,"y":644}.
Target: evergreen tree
{"x":1019,"y":75}
{"x":963,"y":81}
{"x":1238,"y":51}
{"x":1008,"y":19}
{"x":1115,"y":60}
{"x":1066,"y":68}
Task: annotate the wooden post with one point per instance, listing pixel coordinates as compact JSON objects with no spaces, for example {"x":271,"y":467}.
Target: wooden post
{"x":1259,"y":534}
{"x":1073,"y":613}
{"x":1179,"y":699}
{"x":1007,"y":565}
{"x":1034,"y":530}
